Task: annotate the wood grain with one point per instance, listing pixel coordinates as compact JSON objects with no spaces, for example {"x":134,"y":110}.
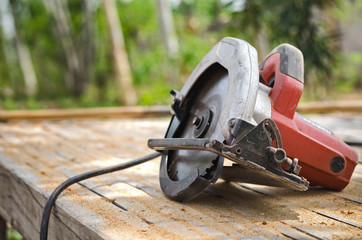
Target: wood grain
{"x":36,"y":156}
{"x":105,"y":112}
{"x":330,"y":106}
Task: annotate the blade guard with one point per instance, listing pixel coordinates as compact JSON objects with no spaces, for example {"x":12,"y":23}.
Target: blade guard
{"x":241,"y":61}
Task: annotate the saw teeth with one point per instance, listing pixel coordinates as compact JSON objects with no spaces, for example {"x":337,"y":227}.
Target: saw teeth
{"x":208,"y":171}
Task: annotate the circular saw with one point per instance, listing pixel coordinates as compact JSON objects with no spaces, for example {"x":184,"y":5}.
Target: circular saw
{"x":231,"y":108}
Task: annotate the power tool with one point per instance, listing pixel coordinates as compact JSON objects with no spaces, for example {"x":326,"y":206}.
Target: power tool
{"x":231,"y":108}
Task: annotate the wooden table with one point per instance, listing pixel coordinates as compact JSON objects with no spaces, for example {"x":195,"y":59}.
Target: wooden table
{"x":36,"y":156}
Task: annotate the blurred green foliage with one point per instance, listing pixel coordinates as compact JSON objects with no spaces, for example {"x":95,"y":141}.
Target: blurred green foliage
{"x":12,"y":234}
{"x":308,"y":24}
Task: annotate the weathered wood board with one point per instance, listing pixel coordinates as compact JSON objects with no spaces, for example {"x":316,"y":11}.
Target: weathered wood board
{"x":36,"y":156}
{"x":152,"y":111}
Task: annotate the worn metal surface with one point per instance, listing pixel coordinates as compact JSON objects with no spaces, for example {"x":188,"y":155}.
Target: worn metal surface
{"x":249,"y":151}
{"x":36,"y":156}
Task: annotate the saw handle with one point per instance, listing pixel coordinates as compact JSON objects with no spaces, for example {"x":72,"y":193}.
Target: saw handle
{"x":325,"y":159}
{"x":283,"y":71}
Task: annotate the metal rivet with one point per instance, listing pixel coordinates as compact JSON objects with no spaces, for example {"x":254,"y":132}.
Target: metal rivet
{"x":232,"y":123}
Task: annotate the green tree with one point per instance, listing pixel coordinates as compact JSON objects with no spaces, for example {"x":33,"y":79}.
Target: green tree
{"x":300,"y":23}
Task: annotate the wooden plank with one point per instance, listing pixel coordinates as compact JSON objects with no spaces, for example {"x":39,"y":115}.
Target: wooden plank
{"x":293,"y":233}
{"x":346,"y":126}
{"x":157,"y":111}
{"x":330,"y":106}
{"x":317,"y":201}
{"x":105,"y":112}
{"x":35,"y":156}
{"x":23,"y":204}
{"x":340,"y":219}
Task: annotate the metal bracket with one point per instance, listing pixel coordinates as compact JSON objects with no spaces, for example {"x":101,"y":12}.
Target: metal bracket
{"x":253,"y":150}
{"x":176,"y":107}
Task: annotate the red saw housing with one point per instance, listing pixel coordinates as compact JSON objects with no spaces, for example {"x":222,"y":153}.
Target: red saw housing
{"x":325,"y":159}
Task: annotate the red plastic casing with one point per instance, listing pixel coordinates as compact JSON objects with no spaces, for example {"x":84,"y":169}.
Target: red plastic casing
{"x":314,"y":146}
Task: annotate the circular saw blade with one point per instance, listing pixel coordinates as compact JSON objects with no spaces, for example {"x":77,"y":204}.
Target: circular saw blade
{"x":208,"y":94}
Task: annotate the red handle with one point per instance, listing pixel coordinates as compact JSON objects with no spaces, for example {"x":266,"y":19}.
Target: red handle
{"x":282,"y":69}
{"x":325,"y":159}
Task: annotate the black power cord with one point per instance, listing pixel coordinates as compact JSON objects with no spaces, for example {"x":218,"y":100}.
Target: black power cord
{"x":53,"y":197}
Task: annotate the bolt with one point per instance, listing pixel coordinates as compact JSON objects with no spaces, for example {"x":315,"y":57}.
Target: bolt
{"x":197,"y":121}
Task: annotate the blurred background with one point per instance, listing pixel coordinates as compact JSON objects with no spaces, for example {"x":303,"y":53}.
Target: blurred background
{"x":91,"y":53}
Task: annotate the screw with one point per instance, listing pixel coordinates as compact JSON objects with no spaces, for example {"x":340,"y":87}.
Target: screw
{"x":232,"y":123}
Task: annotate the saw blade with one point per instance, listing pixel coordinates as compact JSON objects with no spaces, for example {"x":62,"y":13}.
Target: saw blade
{"x":208,"y":95}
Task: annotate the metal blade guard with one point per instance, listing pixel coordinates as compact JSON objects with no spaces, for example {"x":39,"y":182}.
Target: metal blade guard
{"x":213,"y":119}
